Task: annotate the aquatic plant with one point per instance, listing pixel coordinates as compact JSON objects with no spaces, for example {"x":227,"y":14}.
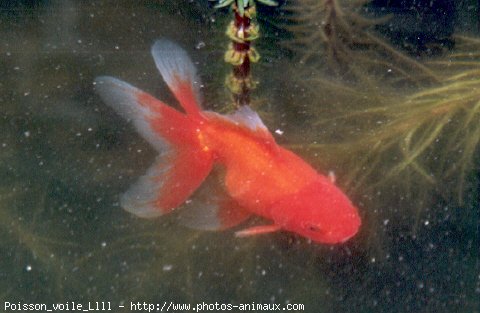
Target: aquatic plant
{"x":242,"y":30}
{"x":421,"y":119}
{"x":31,"y":248}
{"x":426,"y":138}
{"x":335,"y":36}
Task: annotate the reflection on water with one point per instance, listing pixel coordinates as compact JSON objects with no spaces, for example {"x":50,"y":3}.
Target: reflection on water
{"x":65,"y":158}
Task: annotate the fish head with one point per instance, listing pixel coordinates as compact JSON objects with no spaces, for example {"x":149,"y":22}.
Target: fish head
{"x":321,"y":212}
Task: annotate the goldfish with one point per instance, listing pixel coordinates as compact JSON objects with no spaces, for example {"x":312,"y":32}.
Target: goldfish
{"x":222,"y":169}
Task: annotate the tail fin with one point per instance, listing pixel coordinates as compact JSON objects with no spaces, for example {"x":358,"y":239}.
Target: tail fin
{"x":167,"y":183}
{"x":183,"y":164}
{"x":179,"y":73}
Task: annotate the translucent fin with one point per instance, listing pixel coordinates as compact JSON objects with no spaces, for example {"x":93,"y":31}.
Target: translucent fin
{"x":141,"y":198}
{"x":247,"y":117}
{"x":123,"y":98}
{"x":211,"y":208}
{"x":155,"y":121}
{"x":167,"y":183}
{"x":179,"y":73}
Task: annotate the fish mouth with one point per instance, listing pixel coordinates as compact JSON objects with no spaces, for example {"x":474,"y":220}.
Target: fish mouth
{"x":348,"y":237}
{"x":343,"y":237}
{"x":352,"y":234}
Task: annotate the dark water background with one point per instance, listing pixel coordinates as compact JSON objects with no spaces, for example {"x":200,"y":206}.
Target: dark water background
{"x":65,"y":157}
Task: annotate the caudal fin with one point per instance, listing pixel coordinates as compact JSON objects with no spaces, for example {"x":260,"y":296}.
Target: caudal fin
{"x":167,"y":183}
{"x":179,"y":73}
{"x":183,"y":164}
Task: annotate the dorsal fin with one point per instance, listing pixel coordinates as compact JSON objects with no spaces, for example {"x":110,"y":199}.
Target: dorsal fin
{"x":179,"y":73}
{"x":247,"y":118}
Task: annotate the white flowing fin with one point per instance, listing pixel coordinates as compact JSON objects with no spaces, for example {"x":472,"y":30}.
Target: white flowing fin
{"x":179,"y":73}
{"x":168,"y":182}
{"x":247,"y":119}
{"x":140,"y":199}
{"x":126,"y":100}
{"x":245,"y":116}
{"x":211,"y":208}
{"x":180,"y":170}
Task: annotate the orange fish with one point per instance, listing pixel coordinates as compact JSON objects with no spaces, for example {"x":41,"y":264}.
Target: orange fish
{"x":257,"y":176}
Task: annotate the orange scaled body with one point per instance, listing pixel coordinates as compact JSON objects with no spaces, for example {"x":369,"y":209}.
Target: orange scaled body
{"x":259,"y":177}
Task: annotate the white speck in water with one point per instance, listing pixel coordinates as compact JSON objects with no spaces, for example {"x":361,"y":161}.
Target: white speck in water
{"x":26,"y":93}
{"x":200,"y":45}
{"x":26,"y":134}
{"x":389,"y":70}
{"x":426,"y":223}
{"x":385,"y":222}
{"x":279,"y":132}
{"x":117,"y":47}
{"x":104,"y":244}
{"x":167,"y":267}
{"x":28,"y":268}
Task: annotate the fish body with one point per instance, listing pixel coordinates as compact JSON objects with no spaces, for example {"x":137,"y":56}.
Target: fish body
{"x":258,"y":177}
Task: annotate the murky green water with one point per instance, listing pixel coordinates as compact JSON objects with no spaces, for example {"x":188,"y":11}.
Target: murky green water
{"x":65,"y":157}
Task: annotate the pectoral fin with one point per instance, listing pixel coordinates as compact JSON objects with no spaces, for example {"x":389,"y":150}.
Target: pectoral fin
{"x":257,"y":230}
{"x":211,"y":208}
